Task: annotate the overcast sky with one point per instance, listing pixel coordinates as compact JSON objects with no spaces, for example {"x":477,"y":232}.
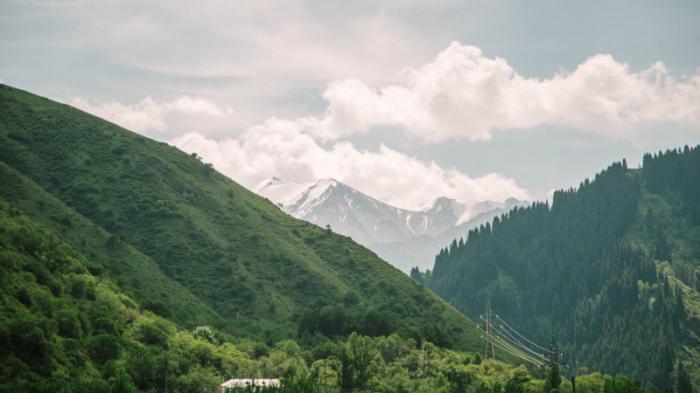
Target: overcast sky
{"x":475,"y":100}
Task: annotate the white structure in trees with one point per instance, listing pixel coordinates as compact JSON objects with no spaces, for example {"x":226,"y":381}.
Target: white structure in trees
{"x":244,"y":383}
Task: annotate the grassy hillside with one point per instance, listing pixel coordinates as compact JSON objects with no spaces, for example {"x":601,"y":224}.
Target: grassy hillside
{"x":195,"y":247}
{"x":611,"y":268}
{"x":134,"y":271}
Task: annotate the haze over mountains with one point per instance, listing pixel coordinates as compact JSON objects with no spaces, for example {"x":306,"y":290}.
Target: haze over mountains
{"x":405,"y":238}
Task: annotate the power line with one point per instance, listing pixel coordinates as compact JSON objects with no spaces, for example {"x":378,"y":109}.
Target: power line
{"x":498,"y":342}
{"x":527,"y":332}
{"x":521,"y":336}
{"x":516,"y":332}
{"x":536,"y":363}
{"x":504,"y":337}
{"x":489,"y":352}
{"x":517,"y":343}
{"x":519,"y":347}
{"x":517,"y":352}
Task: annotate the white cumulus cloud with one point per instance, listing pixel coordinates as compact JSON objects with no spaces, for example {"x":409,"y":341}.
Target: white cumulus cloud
{"x":151,"y":115}
{"x":281,"y":148}
{"x":288,"y":149}
{"x":461,"y":94}
{"x":464,"y":94}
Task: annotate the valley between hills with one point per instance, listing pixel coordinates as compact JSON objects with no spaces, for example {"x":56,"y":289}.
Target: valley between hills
{"x":128,"y":265}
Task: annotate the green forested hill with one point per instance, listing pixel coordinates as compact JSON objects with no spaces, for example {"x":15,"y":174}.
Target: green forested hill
{"x":195,"y":247}
{"x":612,"y":269}
{"x":65,"y":326}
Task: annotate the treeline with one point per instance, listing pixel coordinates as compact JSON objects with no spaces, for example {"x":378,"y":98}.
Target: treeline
{"x":65,"y":327}
{"x":676,"y":171}
{"x":341,"y":320}
{"x":674,"y":175}
{"x":577,"y":270}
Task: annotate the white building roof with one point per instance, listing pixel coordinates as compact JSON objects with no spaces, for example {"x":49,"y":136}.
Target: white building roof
{"x":243,"y":382}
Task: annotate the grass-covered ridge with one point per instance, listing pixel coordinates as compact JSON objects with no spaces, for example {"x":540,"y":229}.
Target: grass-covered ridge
{"x":195,"y":247}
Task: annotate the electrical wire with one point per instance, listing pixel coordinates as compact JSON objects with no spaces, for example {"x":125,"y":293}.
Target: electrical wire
{"x":517,"y":343}
{"x":517,"y":352}
{"x":518,"y":355}
{"x":509,"y":348}
{"x":514,"y":346}
{"x":523,"y":337}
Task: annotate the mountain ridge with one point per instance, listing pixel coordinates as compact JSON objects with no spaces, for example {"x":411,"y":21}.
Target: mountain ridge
{"x":250,"y":269}
{"x":406,"y":238}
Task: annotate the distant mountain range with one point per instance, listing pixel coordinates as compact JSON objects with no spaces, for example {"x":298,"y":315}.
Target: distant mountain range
{"x":405,"y":238}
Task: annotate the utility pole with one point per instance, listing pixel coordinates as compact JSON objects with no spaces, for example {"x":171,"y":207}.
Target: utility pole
{"x":574,"y":364}
{"x":493,"y":351}
{"x":489,"y":352}
{"x":553,"y":378}
{"x":553,"y":352}
{"x":487,"y":338}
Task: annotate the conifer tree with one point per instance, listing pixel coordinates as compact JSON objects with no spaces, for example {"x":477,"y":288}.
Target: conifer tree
{"x":683,"y":384}
{"x":662,"y":250}
{"x":553,"y":380}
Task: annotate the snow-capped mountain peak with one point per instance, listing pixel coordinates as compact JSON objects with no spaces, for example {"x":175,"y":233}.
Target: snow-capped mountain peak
{"x":376,"y":224}
{"x":280,"y":191}
{"x":315,"y":195}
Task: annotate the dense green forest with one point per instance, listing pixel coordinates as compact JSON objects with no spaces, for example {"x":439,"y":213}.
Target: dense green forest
{"x":611,"y":268}
{"x":66,"y":327}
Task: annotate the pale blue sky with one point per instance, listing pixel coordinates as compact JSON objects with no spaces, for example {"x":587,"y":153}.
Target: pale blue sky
{"x":241,"y":64}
